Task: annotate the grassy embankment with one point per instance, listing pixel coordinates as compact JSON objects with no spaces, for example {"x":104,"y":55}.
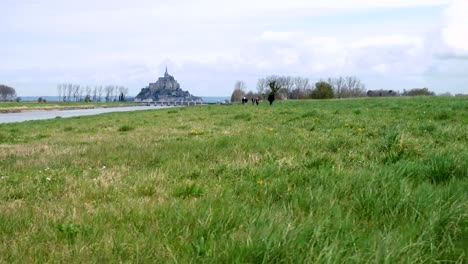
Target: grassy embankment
{"x":350,"y":181}
{"x":11,"y":107}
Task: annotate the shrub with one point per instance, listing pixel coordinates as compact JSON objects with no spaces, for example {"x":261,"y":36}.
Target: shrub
{"x":125,"y":128}
{"x":323,"y":90}
{"x":418,"y":92}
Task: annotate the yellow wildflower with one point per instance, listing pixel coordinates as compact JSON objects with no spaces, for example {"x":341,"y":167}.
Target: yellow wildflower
{"x":196,"y":132}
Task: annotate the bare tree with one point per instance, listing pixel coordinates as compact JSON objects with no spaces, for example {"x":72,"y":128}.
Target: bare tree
{"x":122,"y":91}
{"x":302,"y":83}
{"x":69,"y":91}
{"x":338,"y":84}
{"x":287,"y":85}
{"x":354,"y":87}
{"x":81,"y":91}
{"x":302,"y":88}
{"x":94,"y":94}
{"x":59,"y":91}
{"x":262,"y":86}
{"x":125,"y":92}
{"x":115,"y":92}
{"x":7,"y":93}
{"x":239,"y":91}
{"x":76,"y":91}
{"x":88,"y":94}
{"x":349,"y":86}
{"x":240,"y":85}
{"x":108,"y":92}
{"x":99,"y":92}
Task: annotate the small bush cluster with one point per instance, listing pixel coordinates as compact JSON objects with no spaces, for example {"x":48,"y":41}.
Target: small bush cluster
{"x":126,"y":128}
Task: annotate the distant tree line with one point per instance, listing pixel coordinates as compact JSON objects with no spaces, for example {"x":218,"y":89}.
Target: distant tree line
{"x":68,"y":92}
{"x":289,"y":87}
{"x":7,"y":93}
{"x":418,"y":92}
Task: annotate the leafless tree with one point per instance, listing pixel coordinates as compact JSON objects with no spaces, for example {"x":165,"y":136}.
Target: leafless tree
{"x":108,"y":92}
{"x":349,"y":86}
{"x":122,"y":93}
{"x":239,"y":91}
{"x":262,"y":86}
{"x":81,"y":91}
{"x":88,"y":93}
{"x":94,"y":98}
{"x":240,"y":85}
{"x":125,"y":91}
{"x":7,"y":93}
{"x":302,"y":83}
{"x":59,"y":91}
{"x":69,"y":91}
{"x":287,"y":86}
{"x":354,"y":87}
{"x":76,"y":91}
{"x":99,"y":92}
{"x":301,"y":88}
{"x":338,"y":85}
{"x":115,"y":92}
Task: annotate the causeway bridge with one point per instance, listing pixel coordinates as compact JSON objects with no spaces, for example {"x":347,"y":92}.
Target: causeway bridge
{"x":168,"y":103}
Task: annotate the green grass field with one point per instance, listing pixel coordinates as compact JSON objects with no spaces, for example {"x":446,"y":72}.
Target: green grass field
{"x":333,"y":181}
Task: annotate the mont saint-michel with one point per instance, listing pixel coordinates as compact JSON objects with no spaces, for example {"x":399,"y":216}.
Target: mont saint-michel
{"x":165,"y":89}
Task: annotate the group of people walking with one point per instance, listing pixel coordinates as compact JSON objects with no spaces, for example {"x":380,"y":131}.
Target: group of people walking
{"x":255,"y":100}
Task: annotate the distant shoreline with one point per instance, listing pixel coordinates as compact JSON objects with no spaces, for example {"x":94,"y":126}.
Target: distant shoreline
{"x":206,"y":99}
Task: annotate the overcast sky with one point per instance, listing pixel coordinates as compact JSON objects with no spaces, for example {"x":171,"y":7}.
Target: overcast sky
{"x":209,"y":44}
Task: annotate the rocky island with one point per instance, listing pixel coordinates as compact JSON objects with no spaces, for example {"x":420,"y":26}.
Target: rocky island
{"x":166,"y":90}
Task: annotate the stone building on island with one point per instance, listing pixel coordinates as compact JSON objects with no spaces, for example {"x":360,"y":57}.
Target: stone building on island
{"x":166,"y":89}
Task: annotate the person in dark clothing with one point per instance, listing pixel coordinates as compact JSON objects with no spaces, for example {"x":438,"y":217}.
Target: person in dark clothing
{"x":256,"y":100}
{"x":271,"y":98}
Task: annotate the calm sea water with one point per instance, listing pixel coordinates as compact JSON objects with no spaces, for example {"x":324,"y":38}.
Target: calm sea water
{"x":50,"y":114}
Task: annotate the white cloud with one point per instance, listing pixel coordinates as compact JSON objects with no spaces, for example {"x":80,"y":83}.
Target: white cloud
{"x":210,"y":42}
{"x":455,"y":28}
{"x":269,"y":5}
{"x":298,"y":53}
{"x":390,"y":40}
